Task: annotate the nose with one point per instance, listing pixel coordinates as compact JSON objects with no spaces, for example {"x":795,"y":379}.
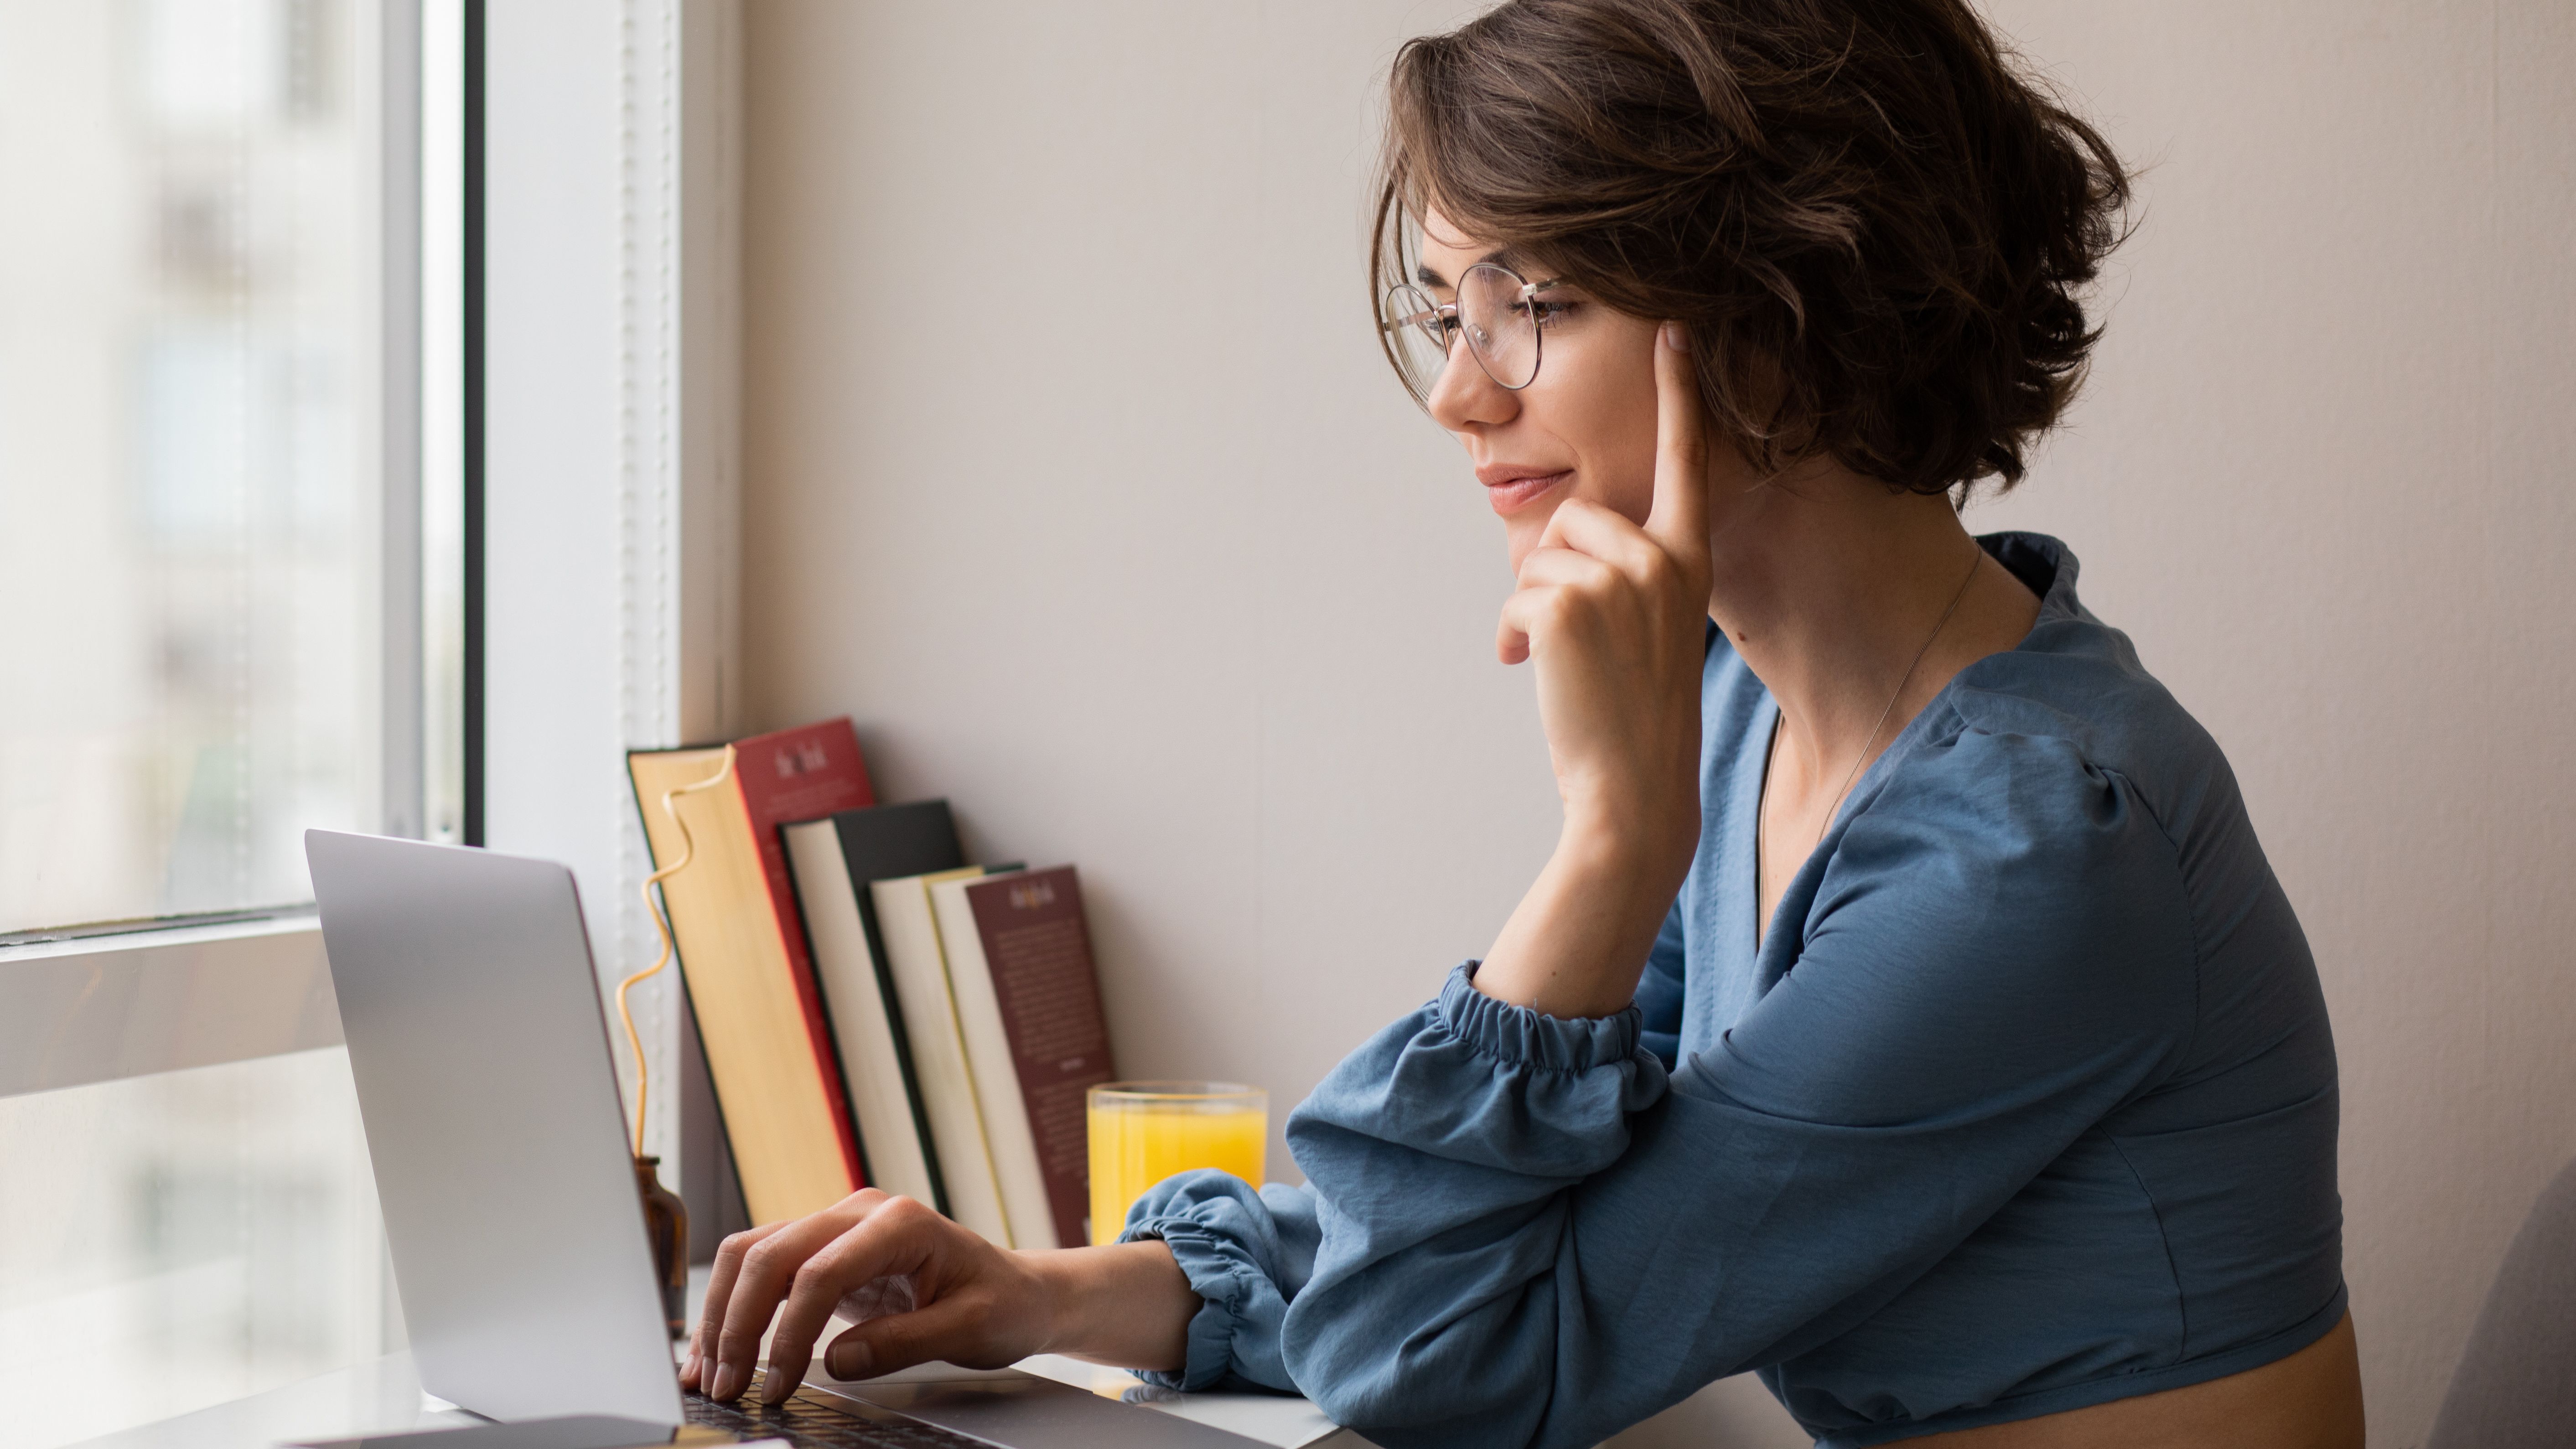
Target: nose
{"x":1465,"y":396}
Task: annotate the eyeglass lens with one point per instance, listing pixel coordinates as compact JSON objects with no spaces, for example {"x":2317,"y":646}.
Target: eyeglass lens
{"x":1500,"y":325}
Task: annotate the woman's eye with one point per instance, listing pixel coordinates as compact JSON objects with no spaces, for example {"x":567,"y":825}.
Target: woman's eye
{"x":1551,"y":312}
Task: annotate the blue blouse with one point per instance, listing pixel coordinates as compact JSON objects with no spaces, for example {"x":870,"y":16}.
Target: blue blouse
{"x":2025,"y":1102}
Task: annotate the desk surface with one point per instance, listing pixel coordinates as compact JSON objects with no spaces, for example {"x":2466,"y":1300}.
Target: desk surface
{"x":384,"y":1395}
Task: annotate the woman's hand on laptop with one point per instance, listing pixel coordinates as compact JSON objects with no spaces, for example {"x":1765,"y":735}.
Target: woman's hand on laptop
{"x":921,"y":1288}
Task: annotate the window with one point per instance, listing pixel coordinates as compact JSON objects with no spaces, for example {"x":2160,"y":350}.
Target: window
{"x":192,"y":1237}
{"x":235,"y":569}
{"x":218,"y":627}
{"x":209,"y":527}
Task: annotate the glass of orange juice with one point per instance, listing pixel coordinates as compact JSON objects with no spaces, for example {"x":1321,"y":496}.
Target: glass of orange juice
{"x":1143,"y":1132}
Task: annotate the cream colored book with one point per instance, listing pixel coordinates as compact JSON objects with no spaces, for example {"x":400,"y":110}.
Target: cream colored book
{"x":1007,"y":1132}
{"x":911,"y":932}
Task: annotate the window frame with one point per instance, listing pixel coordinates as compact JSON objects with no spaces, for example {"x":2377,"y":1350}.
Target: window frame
{"x":100,"y":1002}
{"x":650,"y":97}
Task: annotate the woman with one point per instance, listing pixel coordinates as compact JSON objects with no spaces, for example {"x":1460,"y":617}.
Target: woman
{"x":1908,"y":1012}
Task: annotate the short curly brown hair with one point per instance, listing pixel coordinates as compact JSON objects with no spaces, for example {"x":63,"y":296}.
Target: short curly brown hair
{"x":1875,"y":226}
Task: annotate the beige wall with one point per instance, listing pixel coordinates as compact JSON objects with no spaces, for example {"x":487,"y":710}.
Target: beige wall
{"x":1071,"y":473}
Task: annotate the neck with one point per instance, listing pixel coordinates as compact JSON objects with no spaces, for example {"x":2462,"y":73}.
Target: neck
{"x":1830,"y":587}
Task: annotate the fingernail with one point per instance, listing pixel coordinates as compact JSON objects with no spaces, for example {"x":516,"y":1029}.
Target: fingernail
{"x":728,"y":1382}
{"x":774,"y":1387}
{"x":1674,"y":337}
{"x":849,"y":1360}
{"x":689,"y":1368}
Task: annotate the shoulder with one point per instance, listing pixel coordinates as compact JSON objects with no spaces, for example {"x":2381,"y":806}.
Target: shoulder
{"x":2042,"y":799}
{"x":1985,"y":835}
{"x":2034,"y":829}
{"x":2078,"y":684}
{"x":1999,"y":897}
{"x":2078,"y":693}
{"x":2042,"y":775}
{"x":1997,"y":919}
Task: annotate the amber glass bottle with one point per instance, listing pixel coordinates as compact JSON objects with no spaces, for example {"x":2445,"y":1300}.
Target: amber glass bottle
{"x":666,"y":1222}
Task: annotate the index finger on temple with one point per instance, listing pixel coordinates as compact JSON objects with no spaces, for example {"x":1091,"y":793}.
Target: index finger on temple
{"x":1680,"y":510}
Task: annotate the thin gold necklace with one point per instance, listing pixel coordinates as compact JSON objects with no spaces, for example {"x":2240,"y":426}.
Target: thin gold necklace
{"x":1762,"y":815}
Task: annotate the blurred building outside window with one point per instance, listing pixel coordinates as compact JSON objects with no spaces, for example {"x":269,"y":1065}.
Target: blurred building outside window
{"x":192,"y":549}
{"x":194,"y":528}
{"x":182,"y":1239}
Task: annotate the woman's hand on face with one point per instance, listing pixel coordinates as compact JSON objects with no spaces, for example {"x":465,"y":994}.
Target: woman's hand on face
{"x":1613,"y":616}
{"x":920,"y":1287}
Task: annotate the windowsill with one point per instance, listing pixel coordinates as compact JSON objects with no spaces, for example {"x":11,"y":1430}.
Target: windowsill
{"x":101,"y":1008}
{"x":176,"y":930}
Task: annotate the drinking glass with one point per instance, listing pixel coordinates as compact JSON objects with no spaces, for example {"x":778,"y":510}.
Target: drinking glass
{"x":1143,"y":1132}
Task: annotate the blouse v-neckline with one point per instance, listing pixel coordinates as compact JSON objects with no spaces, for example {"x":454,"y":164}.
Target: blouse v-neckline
{"x":1767,"y":725}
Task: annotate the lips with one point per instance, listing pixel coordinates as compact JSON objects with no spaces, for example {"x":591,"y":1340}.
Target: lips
{"x":1510,"y":489}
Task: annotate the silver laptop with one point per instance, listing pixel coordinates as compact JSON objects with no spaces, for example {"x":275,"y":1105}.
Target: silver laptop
{"x":481,"y":1055}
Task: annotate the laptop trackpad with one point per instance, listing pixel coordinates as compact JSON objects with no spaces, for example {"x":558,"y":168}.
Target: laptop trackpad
{"x":1041,"y":1414}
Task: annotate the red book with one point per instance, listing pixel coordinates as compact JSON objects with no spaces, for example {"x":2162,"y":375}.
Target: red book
{"x":744,"y":957}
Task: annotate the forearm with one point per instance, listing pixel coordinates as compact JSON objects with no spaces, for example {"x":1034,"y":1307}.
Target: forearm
{"x":1127,"y":1305}
{"x":1449,"y":1147}
{"x":1580,"y":936}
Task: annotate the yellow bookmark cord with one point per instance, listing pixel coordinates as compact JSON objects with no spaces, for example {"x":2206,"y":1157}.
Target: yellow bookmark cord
{"x":662,"y":923}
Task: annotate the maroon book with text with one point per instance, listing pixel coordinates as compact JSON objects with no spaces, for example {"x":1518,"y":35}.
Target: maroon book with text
{"x":1037,"y":950}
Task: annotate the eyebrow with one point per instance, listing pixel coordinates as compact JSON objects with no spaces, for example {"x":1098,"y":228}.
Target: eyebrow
{"x":1504,"y":257}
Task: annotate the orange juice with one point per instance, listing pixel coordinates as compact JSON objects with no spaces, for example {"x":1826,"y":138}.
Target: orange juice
{"x":1143,"y":1132}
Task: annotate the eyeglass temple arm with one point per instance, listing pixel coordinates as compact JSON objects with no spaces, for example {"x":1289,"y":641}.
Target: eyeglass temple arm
{"x":1447,"y":312}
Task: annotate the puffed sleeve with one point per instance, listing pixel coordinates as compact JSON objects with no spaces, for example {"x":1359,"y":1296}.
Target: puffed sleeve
{"x":1246,"y":1252}
{"x":1529,"y":1234}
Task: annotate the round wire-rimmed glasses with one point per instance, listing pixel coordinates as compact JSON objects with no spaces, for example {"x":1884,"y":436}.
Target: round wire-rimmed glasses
{"x":1498,"y":310}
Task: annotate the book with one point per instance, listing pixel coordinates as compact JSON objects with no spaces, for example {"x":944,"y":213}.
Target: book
{"x":1028,"y":1008}
{"x":834,"y":861}
{"x":743,"y":957}
{"x":920,"y":970}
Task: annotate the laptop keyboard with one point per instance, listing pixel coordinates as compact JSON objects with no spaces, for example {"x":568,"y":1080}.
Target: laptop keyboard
{"x":810,"y":1422}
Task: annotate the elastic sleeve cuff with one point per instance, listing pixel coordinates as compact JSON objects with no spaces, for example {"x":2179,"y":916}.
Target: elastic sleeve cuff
{"x":1244,"y":1250}
{"x":1225,"y":1279}
{"x":1518,"y":1036}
